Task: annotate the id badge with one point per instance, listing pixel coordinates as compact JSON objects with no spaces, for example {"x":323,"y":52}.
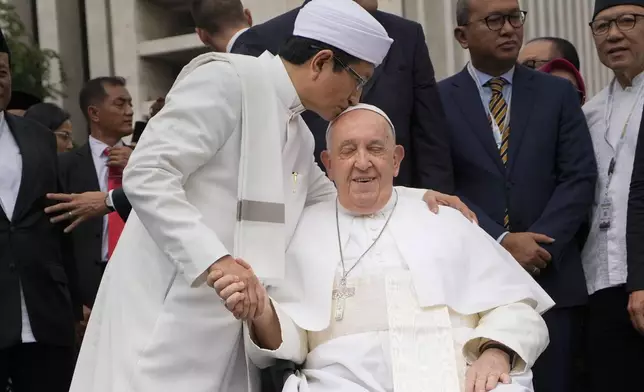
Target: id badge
{"x":605,"y":215}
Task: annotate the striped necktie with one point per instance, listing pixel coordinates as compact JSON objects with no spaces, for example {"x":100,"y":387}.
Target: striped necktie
{"x":498,"y":113}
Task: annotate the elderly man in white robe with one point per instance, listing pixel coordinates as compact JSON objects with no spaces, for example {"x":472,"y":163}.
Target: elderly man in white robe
{"x":381,"y":295}
{"x":223,"y":170}
{"x":614,"y":115}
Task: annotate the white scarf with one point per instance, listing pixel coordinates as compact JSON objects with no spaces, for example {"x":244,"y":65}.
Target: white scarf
{"x":260,"y":229}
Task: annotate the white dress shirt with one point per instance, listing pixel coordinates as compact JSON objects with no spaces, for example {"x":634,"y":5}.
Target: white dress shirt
{"x":102,"y":171}
{"x":604,"y":255}
{"x":229,"y":47}
{"x":11,"y":169}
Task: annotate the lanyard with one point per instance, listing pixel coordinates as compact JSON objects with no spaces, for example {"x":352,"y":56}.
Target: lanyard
{"x":495,"y":127}
{"x":622,"y":137}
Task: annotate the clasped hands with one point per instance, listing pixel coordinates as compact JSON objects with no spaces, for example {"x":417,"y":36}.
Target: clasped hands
{"x":238,"y":287}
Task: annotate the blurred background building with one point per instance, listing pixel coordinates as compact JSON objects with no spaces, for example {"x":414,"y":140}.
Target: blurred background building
{"x":149,"y":41}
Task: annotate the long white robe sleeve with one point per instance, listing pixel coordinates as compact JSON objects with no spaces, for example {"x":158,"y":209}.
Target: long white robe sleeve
{"x":186,"y":134}
{"x":294,"y":345}
{"x":526,"y":334}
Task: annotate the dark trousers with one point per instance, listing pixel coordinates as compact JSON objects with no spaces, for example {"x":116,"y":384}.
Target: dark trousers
{"x":614,"y":349}
{"x":555,"y":370}
{"x":36,"y":367}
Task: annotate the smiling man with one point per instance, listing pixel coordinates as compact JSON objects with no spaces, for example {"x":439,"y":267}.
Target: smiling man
{"x":614,"y":117}
{"x":524,"y":162}
{"x":375,"y":296}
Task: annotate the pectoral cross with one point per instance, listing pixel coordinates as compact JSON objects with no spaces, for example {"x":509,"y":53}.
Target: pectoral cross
{"x":340,"y":295}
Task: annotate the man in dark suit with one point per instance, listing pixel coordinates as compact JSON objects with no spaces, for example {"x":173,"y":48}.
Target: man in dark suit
{"x":96,"y":168}
{"x":635,"y":237}
{"x":524,"y":163}
{"x":37,"y":273}
{"x":403,"y":86}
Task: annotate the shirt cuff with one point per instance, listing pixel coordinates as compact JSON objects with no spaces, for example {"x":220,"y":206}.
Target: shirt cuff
{"x":109,"y":198}
{"x":502,"y":236}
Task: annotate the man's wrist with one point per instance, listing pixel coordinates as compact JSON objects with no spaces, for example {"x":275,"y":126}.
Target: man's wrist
{"x":109,"y":202}
{"x":502,"y":237}
{"x":511,"y":355}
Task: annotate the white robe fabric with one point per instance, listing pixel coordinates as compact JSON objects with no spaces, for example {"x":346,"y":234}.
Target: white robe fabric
{"x":151,"y":330}
{"x":362,"y":361}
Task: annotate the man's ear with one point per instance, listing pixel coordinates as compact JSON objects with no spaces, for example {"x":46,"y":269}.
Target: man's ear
{"x":92,"y":113}
{"x":326,"y":161}
{"x":461,"y":36}
{"x":318,"y":61}
{"x":203,"y":35}
{"x":249,"y":16}
{"x":399,"y":154}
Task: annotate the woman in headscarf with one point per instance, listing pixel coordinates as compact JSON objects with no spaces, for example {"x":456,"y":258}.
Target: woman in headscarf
{"x":564,"y":69}
{"x":56,"y":119}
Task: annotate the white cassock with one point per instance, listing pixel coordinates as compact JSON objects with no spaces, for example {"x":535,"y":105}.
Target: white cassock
{"x":431,"y":291}
{"x":155,"y":326}
{"x":613,"y":110}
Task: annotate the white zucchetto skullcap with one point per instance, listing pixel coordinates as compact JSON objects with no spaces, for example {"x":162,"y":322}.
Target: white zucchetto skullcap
{"x":360,"y":106}
{"x":345,"y":25}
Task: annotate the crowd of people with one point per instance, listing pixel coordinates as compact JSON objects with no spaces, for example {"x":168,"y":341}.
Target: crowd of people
{"x":308,"y":209}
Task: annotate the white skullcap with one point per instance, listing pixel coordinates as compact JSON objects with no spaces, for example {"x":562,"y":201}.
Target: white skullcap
{"x":345,"y":25}
{"x":360,"y":106}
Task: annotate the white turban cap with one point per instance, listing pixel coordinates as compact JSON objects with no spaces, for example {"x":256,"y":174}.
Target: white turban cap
{"x":345,"y":25}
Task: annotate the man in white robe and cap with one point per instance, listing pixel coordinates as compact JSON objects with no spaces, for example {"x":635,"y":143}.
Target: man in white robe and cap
{"x":614,"y":339}
{"x":223,"y":170}
{"x":382,"y":295}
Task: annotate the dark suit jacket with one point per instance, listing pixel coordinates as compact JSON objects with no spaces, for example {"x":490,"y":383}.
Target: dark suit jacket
{"x":78,"y":175}
{"x":34,"y":252}
{"x":635,"y":220}
{"x":403,"y":86}
{"x":548,"y":186}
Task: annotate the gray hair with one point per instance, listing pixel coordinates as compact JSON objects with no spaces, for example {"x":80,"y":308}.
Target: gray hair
{"x":462,"y":12}
{"x":360,"y":106}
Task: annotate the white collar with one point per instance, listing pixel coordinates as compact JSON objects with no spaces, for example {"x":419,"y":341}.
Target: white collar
{"x":381,"y":213}
{"x":3,"y":122}
{"x":283,"y":85}
{"x":229,"y":47}
{"x":98,"y":147}
{"x":483,"y":78}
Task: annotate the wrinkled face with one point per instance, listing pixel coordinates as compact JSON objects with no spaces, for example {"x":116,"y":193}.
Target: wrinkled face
{"x":64,"y":137}
{"x":362,"y":159}
{"x":330,"y":91}
{"x":494,"y":32}
{"x":620,"y":49}
{"x":114,"y":113}
{"x":369,"y":5}
{"x":5,"y":81}
{"x":537,"y":53}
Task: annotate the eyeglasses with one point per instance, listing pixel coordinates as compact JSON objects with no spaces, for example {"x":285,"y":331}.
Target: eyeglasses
{"x":623,"y":22}
{"x":495,"y":22}
{"x":534,"y":63}
{"x":361,"y":82}
{"x":64,"y":136}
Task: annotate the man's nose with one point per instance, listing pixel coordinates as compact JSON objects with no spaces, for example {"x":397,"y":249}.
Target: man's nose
{"x":354,"y":99}
{"x":363,"y":161}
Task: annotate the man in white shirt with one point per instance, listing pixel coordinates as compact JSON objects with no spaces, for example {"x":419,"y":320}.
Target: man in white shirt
{"x":219,"y":22}
{"x":382,"y":295}
{"x":97,"y":167}
{"x":614,"y":345}
{"x":225,"y":168}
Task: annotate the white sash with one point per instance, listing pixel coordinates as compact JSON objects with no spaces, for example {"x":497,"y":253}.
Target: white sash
{"x":260,"y":229}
